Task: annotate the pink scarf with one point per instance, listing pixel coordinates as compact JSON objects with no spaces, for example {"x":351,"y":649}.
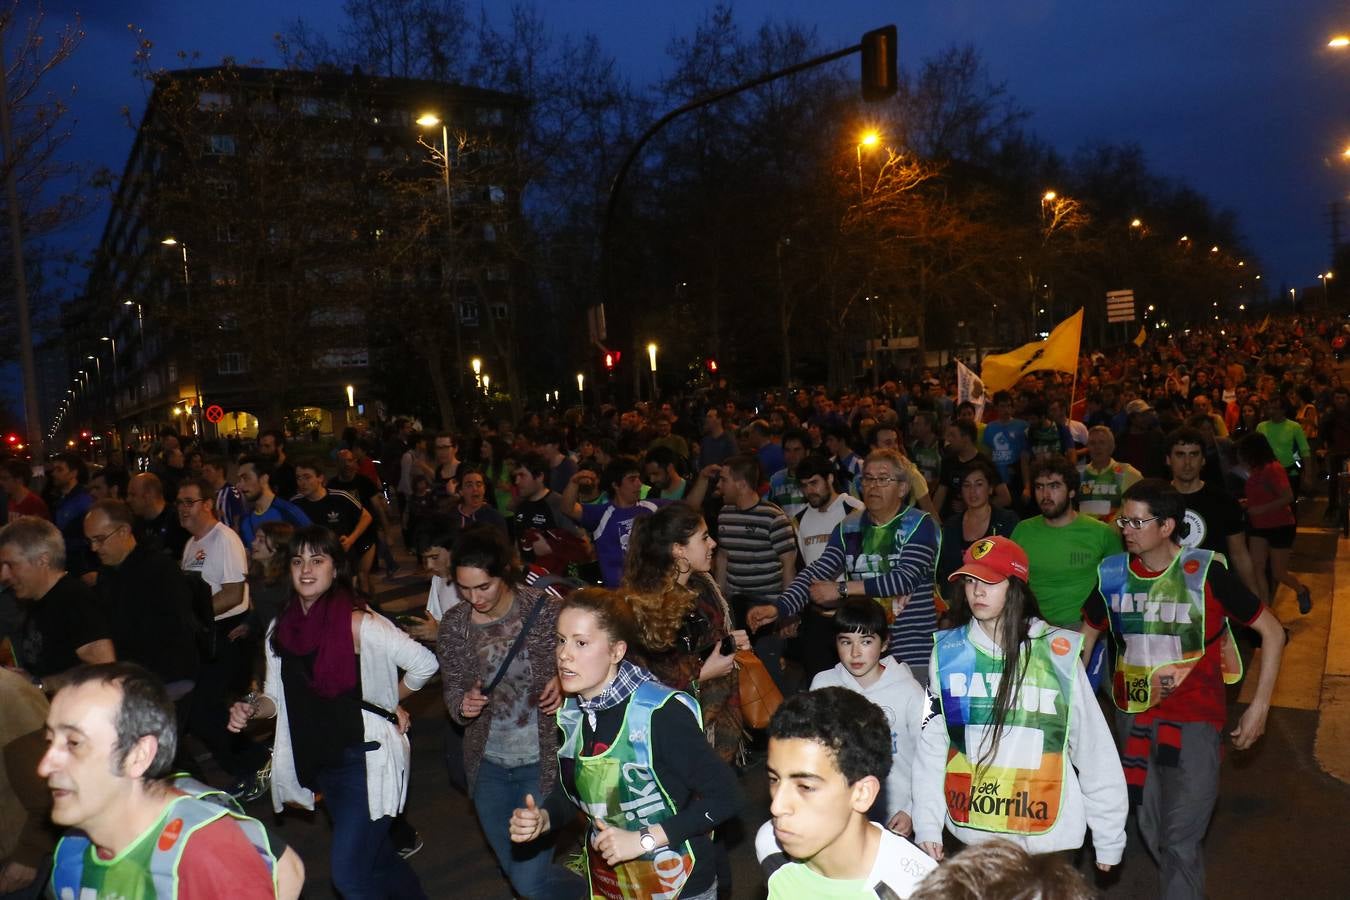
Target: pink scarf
{"x":327,"y":629}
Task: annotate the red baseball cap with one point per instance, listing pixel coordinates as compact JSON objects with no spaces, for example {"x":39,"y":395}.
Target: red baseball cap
{"x":993,"y":559}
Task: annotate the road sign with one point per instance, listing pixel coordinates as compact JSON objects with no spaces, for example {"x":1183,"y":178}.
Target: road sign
{"x":214,"y":414}
{"x":1120,"y":306}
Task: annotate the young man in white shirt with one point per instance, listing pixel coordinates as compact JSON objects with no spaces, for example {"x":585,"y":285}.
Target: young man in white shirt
{"x":829,"y":752}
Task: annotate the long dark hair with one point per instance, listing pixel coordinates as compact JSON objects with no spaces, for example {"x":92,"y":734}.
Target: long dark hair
{"x":319,"y":540}
{"x":1019,"y":608}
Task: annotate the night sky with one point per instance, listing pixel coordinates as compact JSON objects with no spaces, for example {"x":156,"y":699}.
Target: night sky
{"x":1242,"y":100}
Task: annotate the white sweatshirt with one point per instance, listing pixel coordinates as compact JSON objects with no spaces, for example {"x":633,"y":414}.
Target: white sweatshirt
{"x":1094,"y":783}
{"x":904,"y":702}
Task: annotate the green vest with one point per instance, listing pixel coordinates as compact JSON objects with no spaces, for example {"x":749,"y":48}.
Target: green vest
{"x":1159,"y":624}
{"x":871,"y":550}
{"x":1099,"y":493}
{"x":621,"y":788}
{"x":148,"y":868}
{"x":1020,"y":789}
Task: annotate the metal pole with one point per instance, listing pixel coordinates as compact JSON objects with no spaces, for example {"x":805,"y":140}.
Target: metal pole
{"x":32,"y":423}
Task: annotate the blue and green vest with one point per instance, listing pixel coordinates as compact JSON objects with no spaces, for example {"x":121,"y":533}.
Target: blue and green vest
{"x":871,"y":550}
{"x":1018,"y":787}
{"x":1100,"y":493}
{"x":148,"y":869}
{"x":620,"y":786}
{"x":1159,"y":624}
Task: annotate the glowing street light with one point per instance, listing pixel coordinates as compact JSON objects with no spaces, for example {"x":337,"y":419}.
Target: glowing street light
{"x":477,"y":365}
{"x":867,"y":139}
{"x":581,"y":384}
{"x":351,"y":395}
{"x":1136,"y":223}
{"x":1049,"y":197}
{"x":651,"y":355}
{"x":1339,"y":42}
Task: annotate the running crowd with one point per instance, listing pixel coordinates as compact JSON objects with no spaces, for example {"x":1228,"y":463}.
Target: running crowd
{"x":947,"y":593}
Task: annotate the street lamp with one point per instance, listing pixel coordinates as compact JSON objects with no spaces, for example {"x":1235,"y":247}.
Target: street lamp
{"x":113,"y":341}
{"x":868,"y":139}
{"x":1339,"y":42}
{"x":1049,"y":197}
{"x":351,"y":395}
{"x":581,"y":386}
{"x":1326,"y":291}
{"x":431,"y":120}
{"x":98,"y":367}
{"x":651,"y":356}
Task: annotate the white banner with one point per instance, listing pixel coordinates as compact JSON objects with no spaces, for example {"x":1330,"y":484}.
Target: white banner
{"x":969,"y":387}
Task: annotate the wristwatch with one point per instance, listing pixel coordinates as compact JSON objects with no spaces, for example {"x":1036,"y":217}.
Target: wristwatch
{"x":843,"y":590}
{"x":646,"y":839}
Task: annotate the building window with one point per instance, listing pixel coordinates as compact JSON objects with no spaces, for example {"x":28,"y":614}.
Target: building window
{"x":498,"y":311}
{"x":489,"y":232}
{"x":232,"y":364}
{"x":496,"y":272}
{"x":496,"y":194}
{"x":220,"y":145}
{"x":210,"y":100}
{"x":344,"y":358}
{"x":468,"y":313}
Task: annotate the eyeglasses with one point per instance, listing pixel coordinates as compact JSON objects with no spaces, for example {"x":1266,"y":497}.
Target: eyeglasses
{"x":881,"y":480}
{"x":1134,"y":524}
{"x":188,"y":503}
{"x":98,"y":540}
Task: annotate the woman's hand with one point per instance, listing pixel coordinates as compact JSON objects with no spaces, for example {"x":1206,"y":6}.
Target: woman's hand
{"x":932,"y":849}
{"x":742,"y":639}
{"x":474,"y":701}
{"x":1104,"y":867}
{"x":240,"y":713}
{"x":716,"y":665}
{"x":528,"y":822}
{"x":404,"y":719}
{"x":550,"y":698}
{"x":616,"y":845}
{"x":422,"y":629}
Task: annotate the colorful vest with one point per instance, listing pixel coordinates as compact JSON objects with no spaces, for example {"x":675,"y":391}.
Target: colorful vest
{"x":871,"y":550}
{"x":1099,"y":493}
{"x":148,"y":869}
{"x":620,"y":787}
{"x":1159,"y":624}
{"x":1019,"y":789}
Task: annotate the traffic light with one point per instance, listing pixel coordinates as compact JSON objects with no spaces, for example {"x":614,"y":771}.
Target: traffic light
{"x":712,"y":365}
{"x":878,"y":63}
{"x":85,"y":435}
{"x":612,"y":359}
{"x":11,"y":439}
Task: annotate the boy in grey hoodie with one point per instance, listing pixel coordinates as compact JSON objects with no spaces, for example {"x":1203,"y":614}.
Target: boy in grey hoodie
{"x":861,"y":631}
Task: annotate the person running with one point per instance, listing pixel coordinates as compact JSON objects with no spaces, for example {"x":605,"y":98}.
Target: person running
{"x":342,"y":514}
{"x":333,"y":686}
{"x":261,"y":503}
{"x":501,"y":686}
{"x":1272,"y":527}
{"x":829,"y":755}
{"x":1287,"y":440}
{"x":1103,"y":479}
{"x":1213,"y":518}
{"x":634,"y":760}
{"x":1019,"y":749}
{"x":1168,"y":610}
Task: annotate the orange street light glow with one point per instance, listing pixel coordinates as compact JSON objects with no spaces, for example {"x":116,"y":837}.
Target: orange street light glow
{"x":869,"y":139}
{"x":1339,"y":41}
{"x":1049,"y":195}
{"x":428,"y":120}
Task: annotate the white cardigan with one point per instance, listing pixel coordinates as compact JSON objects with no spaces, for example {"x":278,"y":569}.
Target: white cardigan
{"x":385,"y":649}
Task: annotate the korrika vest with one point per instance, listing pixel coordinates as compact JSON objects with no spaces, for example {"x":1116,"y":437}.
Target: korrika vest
{"x":148,"y":869}
{"x":1020,"y":789}
{"x":1099,"y":493}
{"x":871,"y":550}
{"x":1159,"y":624}
{"x":620,"y":787}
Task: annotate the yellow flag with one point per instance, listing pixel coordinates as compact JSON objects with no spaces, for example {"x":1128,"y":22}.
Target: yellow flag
{"x":1058,"y":352}
{"x":1265,"y":323}
{"x":1140,"y":337}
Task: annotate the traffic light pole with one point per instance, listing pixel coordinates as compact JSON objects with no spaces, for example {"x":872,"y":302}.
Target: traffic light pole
{"x":878,"y":48}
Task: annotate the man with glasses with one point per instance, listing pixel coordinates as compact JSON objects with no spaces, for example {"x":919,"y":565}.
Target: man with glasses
{"x":886,"y":551}
{"x":1168,"y":608}
{"x":146,"y":598}
{"x":1064,"y":546}
{"x":216,"y":555}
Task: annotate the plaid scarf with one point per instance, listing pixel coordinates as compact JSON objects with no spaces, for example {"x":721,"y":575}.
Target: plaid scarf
{"x":616,"y":692}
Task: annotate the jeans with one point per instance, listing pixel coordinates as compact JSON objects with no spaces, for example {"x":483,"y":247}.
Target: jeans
{"x":364,"y":863}
{"x":529,"y":867}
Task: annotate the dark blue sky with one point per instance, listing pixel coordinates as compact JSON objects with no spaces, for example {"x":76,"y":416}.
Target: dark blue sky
{"x":1241,"y":99}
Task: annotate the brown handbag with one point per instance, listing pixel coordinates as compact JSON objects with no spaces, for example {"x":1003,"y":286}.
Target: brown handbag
{"x":759,"y":695}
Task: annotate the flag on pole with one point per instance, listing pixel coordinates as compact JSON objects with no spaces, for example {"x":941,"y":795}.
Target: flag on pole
{"x":1140,"y":337}
{"x":1058,"y":352}
{"x":970,"y":387}
{"x":1265,"y":323}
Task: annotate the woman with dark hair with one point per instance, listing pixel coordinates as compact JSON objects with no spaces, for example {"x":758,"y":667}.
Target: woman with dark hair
{"x":269,"y":577}
{"x":333,"y":685}
{"x":634,"y":762}
{"x":1021,"y":750}
{"x":500,"y":682}
{"x":1248,"y":419}
{"x":494,"y":459}
{"x":684,"y":621}
{"x":1271,"y":525}
{"x":981,"y":519}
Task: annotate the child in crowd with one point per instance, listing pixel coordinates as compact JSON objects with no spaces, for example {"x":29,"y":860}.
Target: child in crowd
{"x":861,"y":631}
{"x":1020,"y":750}
{"x":828,"y":753}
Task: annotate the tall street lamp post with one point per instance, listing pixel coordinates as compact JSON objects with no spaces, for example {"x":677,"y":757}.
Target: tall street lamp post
{"x":431,"y":120}
{"x":172,"y":241}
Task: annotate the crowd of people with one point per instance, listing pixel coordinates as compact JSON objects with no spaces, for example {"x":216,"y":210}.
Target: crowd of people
{"x":926,"y":577}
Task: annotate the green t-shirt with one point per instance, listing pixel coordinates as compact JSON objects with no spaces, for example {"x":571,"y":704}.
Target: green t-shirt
{"x":1286,"y":439}
{"x":1064,"y":563}
{"x":897,"y":871}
